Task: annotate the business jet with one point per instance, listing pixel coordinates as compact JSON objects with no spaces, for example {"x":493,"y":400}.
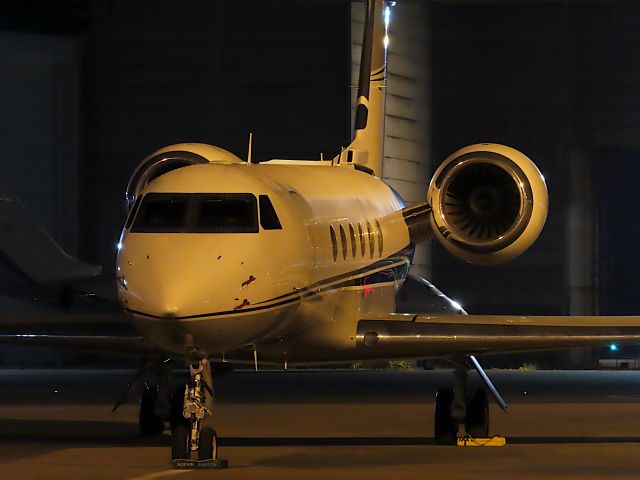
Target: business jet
{"x":300,"y":262}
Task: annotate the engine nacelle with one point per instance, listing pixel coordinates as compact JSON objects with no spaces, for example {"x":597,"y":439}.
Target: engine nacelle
{"x":489,"y":203}
{"x":171,"y":158}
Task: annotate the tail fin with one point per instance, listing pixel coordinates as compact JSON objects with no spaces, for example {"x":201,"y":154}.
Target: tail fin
{"x":367,"y":146}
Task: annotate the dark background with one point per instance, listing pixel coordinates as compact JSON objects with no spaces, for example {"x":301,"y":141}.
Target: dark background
{"x":559,"y":81}
{"x":89,"y":88}
{"x":148,"y":74}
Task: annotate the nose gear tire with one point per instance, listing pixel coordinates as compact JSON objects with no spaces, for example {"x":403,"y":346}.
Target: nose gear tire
{"x":208,"y":446}
{"x":180,"y":440}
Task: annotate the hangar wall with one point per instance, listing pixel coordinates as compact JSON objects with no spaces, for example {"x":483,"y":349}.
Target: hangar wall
{"x":39,"y":127}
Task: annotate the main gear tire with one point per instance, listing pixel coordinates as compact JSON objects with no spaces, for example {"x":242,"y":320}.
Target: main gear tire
{"x":445,"y":426}
{"x":477,"y":419}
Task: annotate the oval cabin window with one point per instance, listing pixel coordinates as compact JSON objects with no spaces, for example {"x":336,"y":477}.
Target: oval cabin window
{"x":372,"y":240}
{"x":380,"y":244}
{"x":343,"y":241}
{"x":334,"y":243}
{"x":352,"y":237}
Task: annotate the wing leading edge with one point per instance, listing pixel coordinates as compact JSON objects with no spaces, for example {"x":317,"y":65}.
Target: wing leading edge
{"x":119,"y":345}
{"x":107,"y":333}
{"x":422,"y":336}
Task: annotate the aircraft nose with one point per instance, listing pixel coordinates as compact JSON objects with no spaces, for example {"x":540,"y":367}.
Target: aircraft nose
{"x":190,"y":275}
{"x":164,"y":289}
{"x":162,"y":295}
{"x":174,"y":294}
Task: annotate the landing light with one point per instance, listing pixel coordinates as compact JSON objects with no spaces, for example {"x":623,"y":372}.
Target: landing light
{"x":613,"y":347}
{"x":119,"y":246}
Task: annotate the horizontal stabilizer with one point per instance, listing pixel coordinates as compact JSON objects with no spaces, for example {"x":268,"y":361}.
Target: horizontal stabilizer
{"x":28,"y":248}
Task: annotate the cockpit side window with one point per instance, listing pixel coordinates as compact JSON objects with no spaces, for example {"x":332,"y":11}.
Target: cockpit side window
{"x":161,"y":213}
{"x":268,"y":217}
{"x":132,"y":213}
{"x":226,"y":213}
{"x":197,"y":213}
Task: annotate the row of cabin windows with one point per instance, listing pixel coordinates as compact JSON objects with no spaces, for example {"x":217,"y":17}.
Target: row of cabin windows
{"x":358,"y":240}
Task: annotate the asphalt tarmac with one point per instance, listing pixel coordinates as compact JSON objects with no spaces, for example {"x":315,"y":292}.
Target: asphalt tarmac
{"x":325,"y":425}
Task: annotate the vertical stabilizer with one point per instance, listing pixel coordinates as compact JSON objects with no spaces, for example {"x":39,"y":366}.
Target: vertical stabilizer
{"x":367,"y":146}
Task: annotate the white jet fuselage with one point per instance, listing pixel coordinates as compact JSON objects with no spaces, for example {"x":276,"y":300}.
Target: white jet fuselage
{"x":295,"y":293}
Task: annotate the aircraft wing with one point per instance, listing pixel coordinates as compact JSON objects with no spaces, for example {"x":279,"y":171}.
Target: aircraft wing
{"x":422,"y":336}
{"x":107,"y":333}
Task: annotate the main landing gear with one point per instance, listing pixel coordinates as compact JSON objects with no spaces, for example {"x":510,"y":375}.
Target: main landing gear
{"x":194,"y":444}
{"x":456,"y":407}
{"x":154,"y":398}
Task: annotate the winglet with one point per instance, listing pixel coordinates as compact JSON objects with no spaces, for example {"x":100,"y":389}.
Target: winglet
{"x":27,"y":247}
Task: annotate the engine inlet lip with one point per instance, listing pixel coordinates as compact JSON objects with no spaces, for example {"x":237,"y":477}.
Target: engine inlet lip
{"x":454,"y":234}
{"x":142,"y":175}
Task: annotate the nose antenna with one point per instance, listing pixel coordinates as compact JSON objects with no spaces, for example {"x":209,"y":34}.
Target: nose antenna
{"x":250,"y":147}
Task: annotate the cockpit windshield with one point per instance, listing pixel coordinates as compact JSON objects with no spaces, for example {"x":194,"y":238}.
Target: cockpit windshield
{"x":197,"y":213}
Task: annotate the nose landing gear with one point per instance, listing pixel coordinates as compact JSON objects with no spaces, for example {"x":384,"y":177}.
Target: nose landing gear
{"x":193,"y":437}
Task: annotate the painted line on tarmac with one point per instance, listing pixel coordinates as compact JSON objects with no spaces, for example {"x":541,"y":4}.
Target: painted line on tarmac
{"x":163,"y":473}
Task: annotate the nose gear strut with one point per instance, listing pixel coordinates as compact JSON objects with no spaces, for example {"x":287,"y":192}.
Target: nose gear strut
{"x":193,"y":437}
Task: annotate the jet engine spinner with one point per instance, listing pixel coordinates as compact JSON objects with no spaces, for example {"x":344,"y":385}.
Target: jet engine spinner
{"x":171,"y":158}
{"x":489,"y":203}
